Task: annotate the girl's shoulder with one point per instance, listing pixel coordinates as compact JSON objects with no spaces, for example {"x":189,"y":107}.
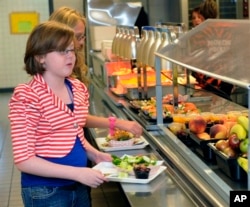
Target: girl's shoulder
{"x":24,"y":92}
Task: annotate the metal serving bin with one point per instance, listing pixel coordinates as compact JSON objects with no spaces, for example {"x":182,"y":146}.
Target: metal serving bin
{"x":111,"y":67}
{"x":133,"y":93}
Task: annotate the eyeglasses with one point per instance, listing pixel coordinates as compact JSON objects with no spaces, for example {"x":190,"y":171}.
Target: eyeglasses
{"x":81,"y":37}
{"x":67,"y":51}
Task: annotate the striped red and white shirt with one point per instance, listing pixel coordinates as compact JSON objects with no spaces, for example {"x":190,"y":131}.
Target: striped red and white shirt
{"x":43,"y":125}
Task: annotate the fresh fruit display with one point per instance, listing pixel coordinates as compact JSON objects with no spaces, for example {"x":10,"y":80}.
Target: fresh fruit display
{"x":197,"y":124}
{"x":233,"y":115}
{"x":237,"y":143}
{"x":234,"y":141}
{"x":238,"y":138}
{"x":204,"y":136}
{"x":239,"y":130}
{"x":221,"y":144}
{"x":228,"y":125}
{"x":218,"y":131}
{"x":229,"y":152}
{"x":243,"y":163}
{"x":243,"y":121}
{"x":244,"y":145}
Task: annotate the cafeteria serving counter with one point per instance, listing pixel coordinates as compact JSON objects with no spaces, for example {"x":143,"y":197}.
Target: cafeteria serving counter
{"x":179,"y":184}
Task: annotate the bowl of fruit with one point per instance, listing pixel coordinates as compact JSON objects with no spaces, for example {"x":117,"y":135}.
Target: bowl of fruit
{"x":141,"y":171}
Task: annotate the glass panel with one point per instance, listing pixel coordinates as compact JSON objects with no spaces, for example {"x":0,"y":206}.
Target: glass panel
{"x":218,"y":48}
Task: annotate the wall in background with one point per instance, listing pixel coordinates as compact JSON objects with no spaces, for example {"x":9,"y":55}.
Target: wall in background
{"x":12,"y":46}
{"x":77,"y":4}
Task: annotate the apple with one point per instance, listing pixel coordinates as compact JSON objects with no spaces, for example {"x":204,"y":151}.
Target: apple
{"x":197,"y":124}
{"x":222,"y":144}
{"x":218,"y":131}
{"x":244,"y":145}
{"x":203,"y":136}
{"x":234,"y":141}
{"x":229,"y":152}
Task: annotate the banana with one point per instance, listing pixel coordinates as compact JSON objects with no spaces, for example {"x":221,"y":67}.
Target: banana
{"x":243,"y":121}
{"x":243,"y":162}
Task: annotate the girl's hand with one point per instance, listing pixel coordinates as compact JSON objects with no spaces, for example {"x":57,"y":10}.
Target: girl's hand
{"x":103,"y":157}
{"x":131,"y":126}
{"x":91,"y":177}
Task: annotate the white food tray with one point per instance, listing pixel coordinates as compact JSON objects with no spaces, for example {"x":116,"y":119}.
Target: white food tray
{"x":111,"y":171}
{"x":102,"y":141}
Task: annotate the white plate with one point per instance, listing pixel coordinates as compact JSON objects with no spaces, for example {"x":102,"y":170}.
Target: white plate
{"x":102,"y":140}
{"x":111,"y":172}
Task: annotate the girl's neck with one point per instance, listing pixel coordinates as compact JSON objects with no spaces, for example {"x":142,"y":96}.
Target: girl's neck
{"x":60,"y":89}
{"x":54,"y":83}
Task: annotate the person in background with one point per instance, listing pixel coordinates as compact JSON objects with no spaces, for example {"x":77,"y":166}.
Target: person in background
{"x":196,"y":16}
{"x":208,"y":9}
{"x":77,"y":22}
{"x":47,"y":116}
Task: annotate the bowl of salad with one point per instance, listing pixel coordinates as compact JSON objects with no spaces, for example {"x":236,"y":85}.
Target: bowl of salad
{"x":136,"y":165}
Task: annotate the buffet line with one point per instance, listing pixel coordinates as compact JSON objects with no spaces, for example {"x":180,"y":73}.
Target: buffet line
{"x":205,"y":137}
{"x":167,"y":183}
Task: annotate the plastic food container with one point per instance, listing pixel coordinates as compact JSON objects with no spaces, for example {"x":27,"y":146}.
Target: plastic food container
{"x":141,"y":172}
{"x":125,"y":143}
{"x":228,"y":165}
{"x":201,"y":147}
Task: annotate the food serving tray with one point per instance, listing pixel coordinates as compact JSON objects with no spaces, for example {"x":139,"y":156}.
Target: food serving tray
{"x":111,"y":172}
{"x":149,"y":119}
{"x":229,"y":165}
{"x":184,"y":137}
{"x":202,"y":147}
{"x":137,"y":104}
{"x":102,"y":145}
{"x":116,"y":93}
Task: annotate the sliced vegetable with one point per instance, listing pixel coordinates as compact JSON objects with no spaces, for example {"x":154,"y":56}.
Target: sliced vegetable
{"x":127,"y":162}
{"x":116,"y":160}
